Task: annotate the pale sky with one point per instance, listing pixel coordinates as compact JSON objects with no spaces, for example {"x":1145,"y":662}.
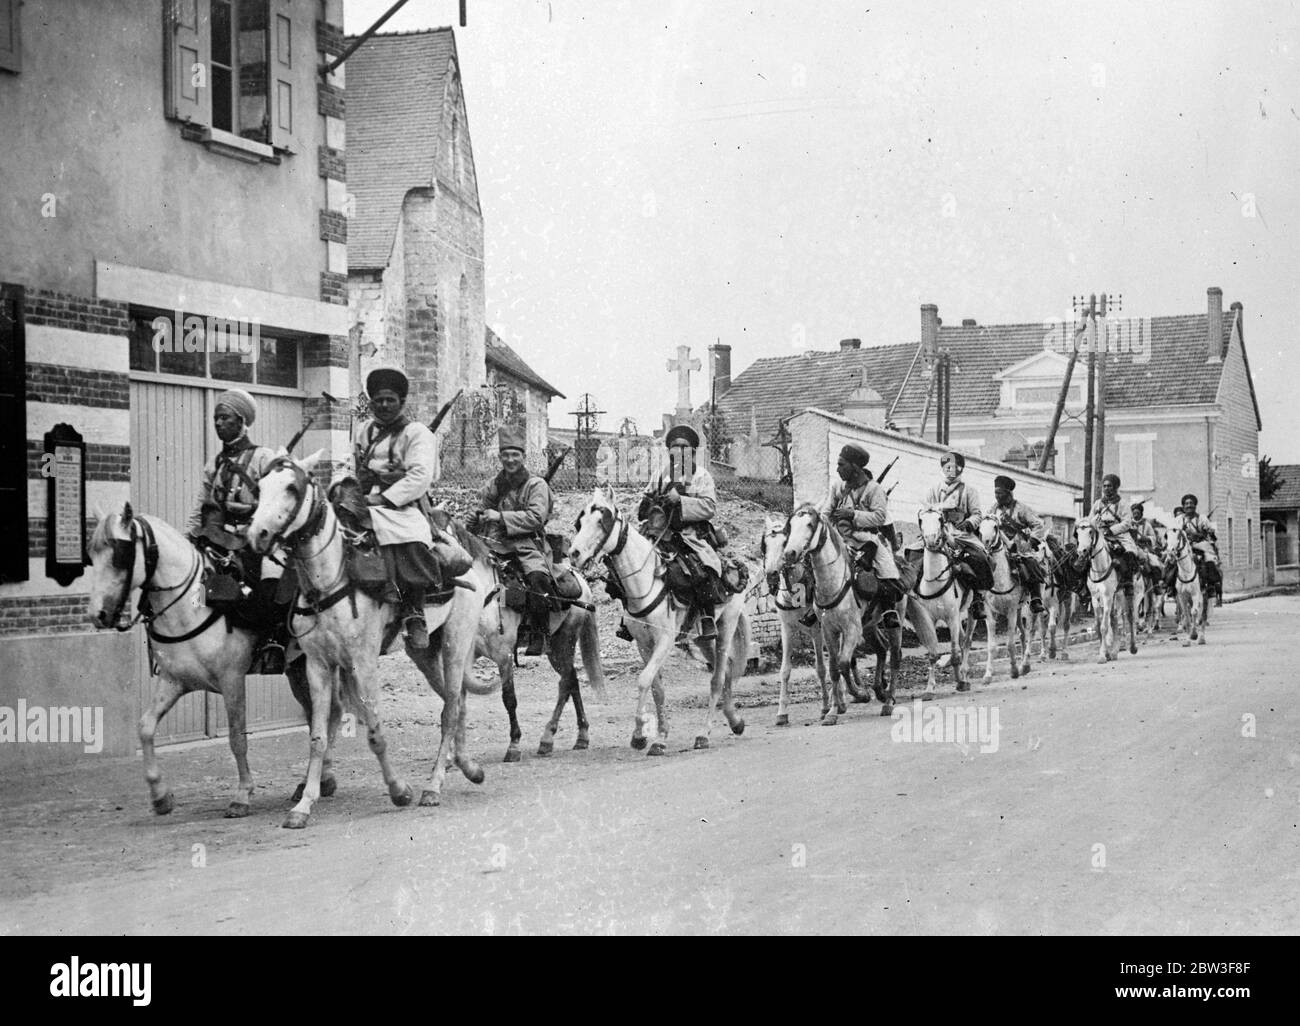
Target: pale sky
{"x":658,"y":174}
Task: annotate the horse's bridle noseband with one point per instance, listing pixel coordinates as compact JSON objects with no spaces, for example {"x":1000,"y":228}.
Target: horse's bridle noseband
{"x":315,"y":515}
{"x":123,"y":558}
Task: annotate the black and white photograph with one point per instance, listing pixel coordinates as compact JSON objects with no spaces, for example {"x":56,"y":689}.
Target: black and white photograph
{"x":567,"y":468}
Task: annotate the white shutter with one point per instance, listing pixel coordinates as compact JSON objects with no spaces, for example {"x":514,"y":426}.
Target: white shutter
{"x":285,"y":97}
{"x":189,"y":93}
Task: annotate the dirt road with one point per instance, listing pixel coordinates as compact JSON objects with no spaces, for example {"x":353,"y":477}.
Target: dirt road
{"x":1157,"y":794}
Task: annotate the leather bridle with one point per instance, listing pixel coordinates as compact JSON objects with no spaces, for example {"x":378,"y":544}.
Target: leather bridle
{"x":124,"y":557}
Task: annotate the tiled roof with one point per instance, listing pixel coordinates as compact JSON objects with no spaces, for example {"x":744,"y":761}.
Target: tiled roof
{"x":394,"y":115}
{"x":1176,"y":374}
{"x":1287,"y":495}
{"x":500,"y":355}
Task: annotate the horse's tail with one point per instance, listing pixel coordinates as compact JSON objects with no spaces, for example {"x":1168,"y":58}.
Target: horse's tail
{"x":589,"y":643}
{"x":740,"y":643}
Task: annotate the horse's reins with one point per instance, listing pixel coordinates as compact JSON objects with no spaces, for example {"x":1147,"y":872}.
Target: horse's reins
{"x":1092,"y":549}
{"x":121,"y":561}
{"x":1184,"y":543}
{"x":812,"y":550}
{"x":608,"y":523}
{"x":949,"y":569}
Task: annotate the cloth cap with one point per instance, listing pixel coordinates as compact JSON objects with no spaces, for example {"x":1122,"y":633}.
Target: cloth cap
{"x":683,"y":431}
{"x":856,"y":455}
{"x":1109,"y":478}
{"x":956,"y":457}
{"x":1183,"y":500}
{"x":387,"y":378}
{"x":239,"y":403}
{"x":1137,"y":505}
{"x":511,"y":436}
{"x":1002,"y":481}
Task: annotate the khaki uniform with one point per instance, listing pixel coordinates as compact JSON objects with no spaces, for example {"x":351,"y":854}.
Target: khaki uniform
{"x":870,"y":514}
{"x":1110,"y":514}
{"x":525,"y":508}
{"x":399,"y":466}
{"x":230,"y":485}
{"x":699,"y":502}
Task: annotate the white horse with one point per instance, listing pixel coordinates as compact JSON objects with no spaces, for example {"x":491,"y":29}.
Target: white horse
{"x":654,"y":618}
{"x":1007,"y":598}
{"x":812,"y":535}
{"x":342,"y":630}
{"x":190,"y":642}
{"x":1103,"y":583}
{"x":941,"y":598}
{"x":571,"y":629}
{"x":792,"y":595}
{"x":1191,"y":600}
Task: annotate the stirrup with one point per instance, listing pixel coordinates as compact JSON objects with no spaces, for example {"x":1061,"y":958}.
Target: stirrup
{"x":623,"y":633}
{"x":270,"y":659}
{"x":808,"y":618}
{"x":707,"y":628}
{"x":889,"y":619}
{"x":536,"y":642}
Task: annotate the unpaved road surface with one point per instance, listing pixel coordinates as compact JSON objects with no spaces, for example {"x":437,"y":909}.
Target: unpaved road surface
{"x":1159,"y":794}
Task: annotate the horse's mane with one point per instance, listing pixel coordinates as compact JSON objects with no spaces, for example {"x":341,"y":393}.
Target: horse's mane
{"x":470,"y":541}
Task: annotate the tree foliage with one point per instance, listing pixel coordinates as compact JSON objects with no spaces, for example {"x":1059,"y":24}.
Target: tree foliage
{"x":1269,"y":479}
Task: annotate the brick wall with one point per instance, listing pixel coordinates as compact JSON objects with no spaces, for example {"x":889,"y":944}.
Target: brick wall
{"x":334,"y":288}
{"x":103,"y":462}
{"x":333,"y":226}
{"x":329,"y":39}
{"x":65,"y":310}
{"x":51,"y":614}
{"x":51,"y":383}
{"x":331,"y":163}
{"x":329,"y":100}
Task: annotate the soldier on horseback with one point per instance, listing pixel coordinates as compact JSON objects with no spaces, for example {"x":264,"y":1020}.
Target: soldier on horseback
{"x":1204,"y":540}
{"x":393,"y":457}
{"x":960,"y":505}
{"x":689,"y":499}
{"x":1108,"y":513}
{"x":515,"y":508}
{"x":1026,"y":532}
{"x":227,"y":499}
{"x":858,"y":508}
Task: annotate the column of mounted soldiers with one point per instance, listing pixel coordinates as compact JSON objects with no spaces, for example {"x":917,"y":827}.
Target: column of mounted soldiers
{"x":383,"y":500}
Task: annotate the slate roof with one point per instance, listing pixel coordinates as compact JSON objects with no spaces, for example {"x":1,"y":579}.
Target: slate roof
{"x":501,"y":356}
{"x":1287,"y":495}
{"x":1177,"y":373}
{"x":395,"y":86}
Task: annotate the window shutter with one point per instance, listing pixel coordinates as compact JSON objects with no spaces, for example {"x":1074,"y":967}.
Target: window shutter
{"x":13,"y":435}
{"x":11,"y":53}
{"x":287,"y":93}
{"x":189,"y":93}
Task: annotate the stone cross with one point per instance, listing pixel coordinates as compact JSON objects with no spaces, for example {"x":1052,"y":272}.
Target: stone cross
{"x":683,"y":365}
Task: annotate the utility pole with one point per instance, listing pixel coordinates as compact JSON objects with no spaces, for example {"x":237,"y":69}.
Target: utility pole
{"x":1099,"y":440}
{"x":1091,"y":328}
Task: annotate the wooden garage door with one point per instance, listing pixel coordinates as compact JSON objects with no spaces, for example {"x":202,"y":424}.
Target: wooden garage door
{"x":171,"y":440}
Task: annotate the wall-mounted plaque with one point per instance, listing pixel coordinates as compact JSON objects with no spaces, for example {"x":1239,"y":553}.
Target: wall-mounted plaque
{"x":64,"y":466}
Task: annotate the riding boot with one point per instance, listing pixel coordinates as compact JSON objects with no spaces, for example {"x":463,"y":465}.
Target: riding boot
{"x":412,"y":613}
{"x":1036,"y":598}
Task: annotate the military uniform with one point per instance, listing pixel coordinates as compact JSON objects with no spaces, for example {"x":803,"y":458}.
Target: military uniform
{"x":1025,"y":532}
{"x":1109,"y":514}
{"x":699,"y":502}
{"x":870,"y":517}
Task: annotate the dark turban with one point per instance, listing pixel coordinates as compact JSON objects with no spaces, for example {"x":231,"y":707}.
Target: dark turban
{"x":1183,"y":500}
{"x":856,"y":455}
{"x":1109,"y":478}
{"x":1002,"y":481}
{"x":387,"y":378}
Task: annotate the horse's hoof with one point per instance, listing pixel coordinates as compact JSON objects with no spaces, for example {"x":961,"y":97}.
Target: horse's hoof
{"x":404,"y":797}
{"x":162,"y":806}
{"x":236,"y":810}
{"x":545,"y":748}
{"x":657,"y":749}
{"x":963,"y":685}
{"x":1102,"y":660}
{"x":328,"y":785}
{"x":887,"y":709}
{"x":1201,"y":640}
{"x":738,"y":728}
{"x":783,"y":720}
{"x":581,"y":745}
{"x":512,"y":755}
{"x":1187,"y":642}
{"x":988,"y":677}
{"x":830,"y":719}
{"x":297,"y":793}
{"x":701,"y":742}
{"x":1064,"y":657}
{"x":1132,"y":649}
{"x":428,"y":799}
{"x":295,"y":820}
{"x":474,"y":774}
{"x":927,"y":696}
{"x":638,"y":743}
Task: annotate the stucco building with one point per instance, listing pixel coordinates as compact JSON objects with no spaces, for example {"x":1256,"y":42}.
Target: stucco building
{"x":200,"y":179}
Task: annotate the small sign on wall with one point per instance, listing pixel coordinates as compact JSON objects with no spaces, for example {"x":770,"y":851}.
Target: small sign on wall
{"x":64,"y":467}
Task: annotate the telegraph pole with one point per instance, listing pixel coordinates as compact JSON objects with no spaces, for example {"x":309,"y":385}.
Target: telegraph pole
{"x":1094,"y":418}
{"x":1099,"y":441}
{"x":1091,"y":327}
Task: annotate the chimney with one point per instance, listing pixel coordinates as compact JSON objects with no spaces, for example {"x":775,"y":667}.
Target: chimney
{"x":849,"y":344}
{"x":1214,"y":324}
{"x":1240,"y":314}
{"x":929,"y":333}
{"x":968,"y":322}
{"x":721,"y":369}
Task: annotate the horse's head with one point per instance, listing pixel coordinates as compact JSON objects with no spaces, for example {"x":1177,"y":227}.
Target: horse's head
{"x":772,"y":544}
{"x":1087,"y":536}
{"x":934,"y":529}
{"x":284,"y":501}
{"x":116,"y":568}
{"x":800,"y":534}
{"x":990,"y":534}
{"x":595,"y":530}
